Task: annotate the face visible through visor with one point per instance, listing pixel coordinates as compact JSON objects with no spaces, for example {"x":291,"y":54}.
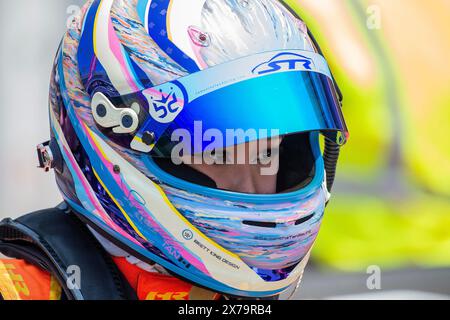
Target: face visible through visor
{"x":269,"y":94}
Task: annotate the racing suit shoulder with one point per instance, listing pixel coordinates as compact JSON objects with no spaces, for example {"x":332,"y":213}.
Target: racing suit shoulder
{"x":20,"y":280}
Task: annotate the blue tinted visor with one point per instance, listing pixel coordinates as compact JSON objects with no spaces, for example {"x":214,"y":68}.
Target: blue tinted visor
{"x":262,"y":96}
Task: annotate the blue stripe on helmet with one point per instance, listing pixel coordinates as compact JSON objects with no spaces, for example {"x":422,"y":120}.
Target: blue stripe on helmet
{"x":157,"y":28}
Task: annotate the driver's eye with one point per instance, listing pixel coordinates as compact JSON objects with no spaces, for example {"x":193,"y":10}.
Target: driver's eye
{"x":264,"y":158}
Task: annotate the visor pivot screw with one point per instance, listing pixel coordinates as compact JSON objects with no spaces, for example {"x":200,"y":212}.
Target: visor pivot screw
{"x":127,"y":121}
{"x":148,"y":138}
{"x":116,"y":169}
{"x":101,"y":111}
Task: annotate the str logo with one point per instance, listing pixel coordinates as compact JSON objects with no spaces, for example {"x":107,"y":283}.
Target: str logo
{"x":285,"y":61}
{"x":165,"y":102}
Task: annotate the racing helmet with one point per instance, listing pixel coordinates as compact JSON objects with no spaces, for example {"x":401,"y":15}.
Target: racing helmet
{"x":130,"y":73}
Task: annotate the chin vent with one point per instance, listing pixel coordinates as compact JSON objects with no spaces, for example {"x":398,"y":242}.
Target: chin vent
{"x":260,"y":224}
{"x":272,"y":225}
{"x":303,"y":220}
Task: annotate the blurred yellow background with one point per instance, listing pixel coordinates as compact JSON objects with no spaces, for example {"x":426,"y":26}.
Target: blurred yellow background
{"x":391,"y":205}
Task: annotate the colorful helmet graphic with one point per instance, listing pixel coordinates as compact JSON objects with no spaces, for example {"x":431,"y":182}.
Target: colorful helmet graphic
{"x":130,"y":73}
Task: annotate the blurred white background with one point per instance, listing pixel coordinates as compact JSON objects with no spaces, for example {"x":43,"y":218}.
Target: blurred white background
{"x":30,"y":32}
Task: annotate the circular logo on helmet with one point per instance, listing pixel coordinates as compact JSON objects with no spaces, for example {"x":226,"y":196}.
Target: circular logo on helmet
{"x":165,"y":102}
{"x":187,"y":234}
